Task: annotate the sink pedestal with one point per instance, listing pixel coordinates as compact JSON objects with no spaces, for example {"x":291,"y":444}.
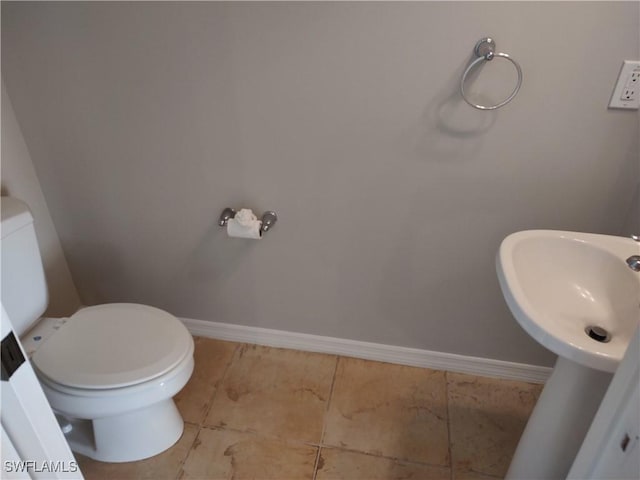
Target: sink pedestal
{"x":559,"y":422}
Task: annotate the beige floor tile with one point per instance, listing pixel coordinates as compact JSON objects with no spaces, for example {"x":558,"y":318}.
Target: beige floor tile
{"x":164,"y":466}
{"x":225,"y":454}
{"x":212,"y":357}
{"x":487,"y":417}
{"x":340,"y":464}
{"x":389,"y":410}
{"x":459,"y":474}
{"x":275,"y":392}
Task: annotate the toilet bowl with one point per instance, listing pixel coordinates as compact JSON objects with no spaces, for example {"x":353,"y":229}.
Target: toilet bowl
{"x":109,"y":371}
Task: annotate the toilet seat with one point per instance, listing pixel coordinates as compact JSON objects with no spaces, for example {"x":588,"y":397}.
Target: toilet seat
{"x":112,"y":346}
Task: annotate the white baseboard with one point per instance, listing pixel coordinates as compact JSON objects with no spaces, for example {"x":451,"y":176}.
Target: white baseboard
{"x":369,"y":351}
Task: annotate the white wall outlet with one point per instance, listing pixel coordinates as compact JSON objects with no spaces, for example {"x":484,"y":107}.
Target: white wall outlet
{"x":626,"y":94}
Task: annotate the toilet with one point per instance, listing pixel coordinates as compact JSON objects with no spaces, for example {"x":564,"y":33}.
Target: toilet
{"x":109,"y":371}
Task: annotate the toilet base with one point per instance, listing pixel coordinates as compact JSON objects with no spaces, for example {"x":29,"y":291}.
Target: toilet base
{"x":128,"y":437}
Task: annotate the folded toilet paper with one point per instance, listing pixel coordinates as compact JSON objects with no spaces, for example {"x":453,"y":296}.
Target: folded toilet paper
{"x":244,"y":225}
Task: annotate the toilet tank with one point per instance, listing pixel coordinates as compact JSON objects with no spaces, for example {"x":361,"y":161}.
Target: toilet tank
{"x":22,"y":281}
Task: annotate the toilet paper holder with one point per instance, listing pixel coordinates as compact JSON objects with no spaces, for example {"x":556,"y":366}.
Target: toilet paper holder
{"x":268,"y":219}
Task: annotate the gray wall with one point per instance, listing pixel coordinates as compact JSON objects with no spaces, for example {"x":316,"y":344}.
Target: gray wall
{"x":19,"y":180}
{"x":145,"y":120}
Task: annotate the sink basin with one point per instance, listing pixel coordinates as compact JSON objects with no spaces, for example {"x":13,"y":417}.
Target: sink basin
{"x":558,"y":284}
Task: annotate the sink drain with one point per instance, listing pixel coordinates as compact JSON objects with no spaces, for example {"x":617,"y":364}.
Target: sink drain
{"x":599,"y":334}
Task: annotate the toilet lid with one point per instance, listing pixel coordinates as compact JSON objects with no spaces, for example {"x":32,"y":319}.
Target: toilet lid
{"x":113,"y":345}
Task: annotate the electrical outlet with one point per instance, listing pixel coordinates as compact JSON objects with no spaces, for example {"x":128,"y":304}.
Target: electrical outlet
{"x":628,"y":94}
{"x":625,"y":94}
{"x":634,"y":77}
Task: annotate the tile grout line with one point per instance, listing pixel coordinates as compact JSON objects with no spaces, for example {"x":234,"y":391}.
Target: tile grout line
{"x":239,"y":347}
{"x":180,"y":470}
{"x":200,"y":424}
{"x":324,"y":419}
{"x":386,"y":457}
{"x":323,"y":445}
{"x":449,"y":439}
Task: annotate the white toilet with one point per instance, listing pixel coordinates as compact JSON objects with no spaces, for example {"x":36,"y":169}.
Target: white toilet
{"x":108,"y":371}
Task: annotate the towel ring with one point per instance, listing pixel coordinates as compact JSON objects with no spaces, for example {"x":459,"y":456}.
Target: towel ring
{"x":485,"y":51}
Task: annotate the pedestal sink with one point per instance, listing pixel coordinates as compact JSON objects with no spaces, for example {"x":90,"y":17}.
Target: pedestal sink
{"x":575,"y":294}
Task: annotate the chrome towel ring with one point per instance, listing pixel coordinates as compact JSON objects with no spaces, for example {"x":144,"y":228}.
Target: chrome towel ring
{"x":485,"y":51}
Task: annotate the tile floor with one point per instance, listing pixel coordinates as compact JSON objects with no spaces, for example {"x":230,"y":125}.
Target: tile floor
{"x":255,"y":412}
